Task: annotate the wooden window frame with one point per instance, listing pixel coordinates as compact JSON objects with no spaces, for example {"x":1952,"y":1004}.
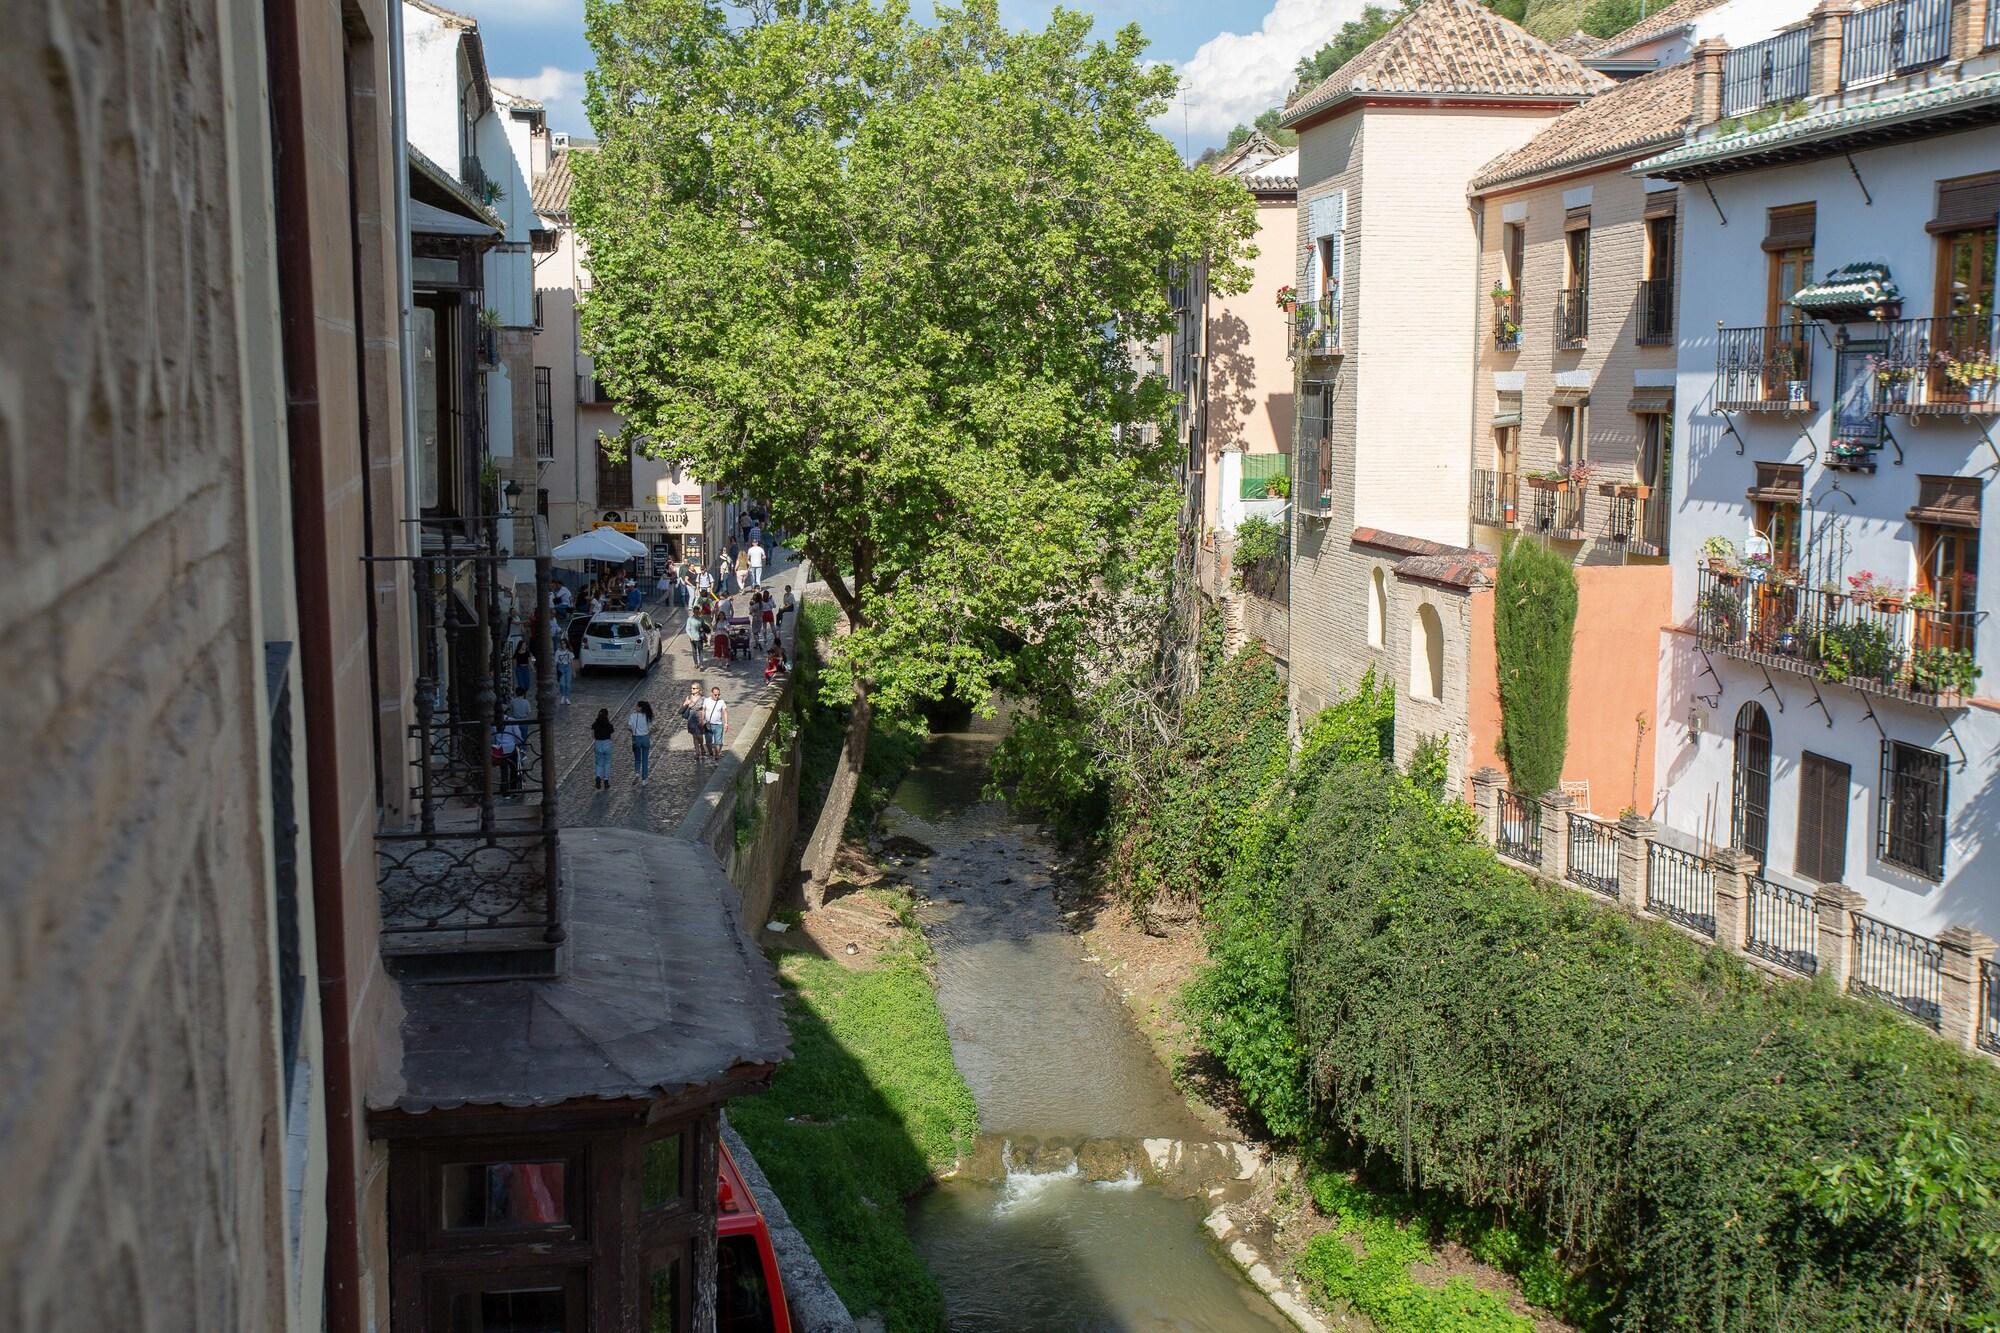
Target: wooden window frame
{"x":1933,"y":539}
{"x":1827,"y":862}
{"x":1948,"y":244}
{"x":1514,"y":255}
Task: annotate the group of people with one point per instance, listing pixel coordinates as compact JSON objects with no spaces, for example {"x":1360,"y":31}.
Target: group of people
{"x":713,"y":621}
{"x":605,"y":592}
{"x":705,"y":715}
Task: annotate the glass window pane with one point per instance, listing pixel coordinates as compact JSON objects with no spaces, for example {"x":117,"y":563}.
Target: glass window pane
{"x":504,"y":1194}
{"x":660,"y":1172}
{"x":742,"y":1297}
{"x":534,"y":1310}
{"x":663,"y":1298}
{"x":424,"y":375}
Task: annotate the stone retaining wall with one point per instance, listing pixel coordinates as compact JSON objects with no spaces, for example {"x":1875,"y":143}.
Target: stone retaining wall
{"x":758,"y":868}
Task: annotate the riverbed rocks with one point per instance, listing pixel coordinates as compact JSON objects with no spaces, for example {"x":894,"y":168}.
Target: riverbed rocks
{"x":1183,"y":1168}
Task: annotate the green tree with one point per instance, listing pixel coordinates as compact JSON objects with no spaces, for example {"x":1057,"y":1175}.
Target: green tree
{"x":889,"y":278}
{"x":1354,"y":36}
{"x":1534,"y":633}
{"x":1608,"y":18}
{"x":1267,"y":121}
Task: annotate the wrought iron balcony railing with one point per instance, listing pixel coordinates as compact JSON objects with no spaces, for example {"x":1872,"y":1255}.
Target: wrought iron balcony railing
{"x":1556,"y":508}
{"x":1495,"y":497}
{"x":1507,"y":322}
{"x":1894,"y":37}
{"x":1656,"y":312}
{"x":1941,"y":366}
{"x":1635,"y":517}
{"x":1775,"y":70}
{"x":1764,"y":369}
{"x":1878,"y":645}
{"x":1572,"y":318}
{"x":1316,"y":326}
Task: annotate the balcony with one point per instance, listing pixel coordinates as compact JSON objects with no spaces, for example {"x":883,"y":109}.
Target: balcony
{"x":472,"y":175}
{"x":1893,"y":38}
{"x":1316,"y":326}
{"x":1941,"y":367}
{"x":1764,"y":369}
{"x":1556,"y":507}
{"x":1572,"y":319}
{"x":1635,"y":517}
{"x":1876,"y":644}
{"x":468,"y":881}
{"x":1507,"y":321}
{"x":1495,"y":498}
{"x":1767,"y":73}
{"x":1656,"y":312}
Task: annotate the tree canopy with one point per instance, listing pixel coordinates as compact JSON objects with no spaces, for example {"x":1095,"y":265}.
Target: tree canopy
{"x":890,"y":278}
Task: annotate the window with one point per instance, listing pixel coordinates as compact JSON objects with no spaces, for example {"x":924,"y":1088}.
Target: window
{"x":1750,"y":807}
{"x":1778,"y":521}
{"x":1948,"y":570}
{"x":435,"y":386}
{"x":1788,"y":241}
{"x":1656,"y":437}
{"x":1660,"y":248}
{"x":1573,"y":306}
{"x":660,"y":1173}
{"x":1378,"y":606}
{"x":1329,"y":266}
{"x":663,"y":1298}
{"x":1966,"y":229}
{"x":1515,"y":245}
{"x":1426,"y":653}
{"x":1656,"y":292}
{"x":1823,"y":794}
{"x":614,"y":478}
{"x":1572,"y":434}
{"x":545,"y":415}
{"x":1912,"y":808}
{"x":522,"y":1310}
{"x":504,"y":1195}
{"x":742,"y":1299}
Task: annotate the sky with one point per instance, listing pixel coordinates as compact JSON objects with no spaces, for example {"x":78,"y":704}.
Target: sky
{"x":1235,"y":56}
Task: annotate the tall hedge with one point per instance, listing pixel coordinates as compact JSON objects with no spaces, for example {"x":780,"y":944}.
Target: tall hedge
{"x":1534,"y":633}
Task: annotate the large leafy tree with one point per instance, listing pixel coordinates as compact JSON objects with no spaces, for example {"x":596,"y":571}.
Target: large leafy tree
{"x":890,"y":277}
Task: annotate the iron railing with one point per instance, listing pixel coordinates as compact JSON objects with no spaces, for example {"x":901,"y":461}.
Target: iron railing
{"x":545,"y":416}
{"x":1557,"y":511}
{"x":1767,"y":369}
{"x":285,"y":855}
{"x":1316,"y":326}
{"x":1844,"y":638}
{"x":1765,"y":73}
{"x":1897,"y":966}
{"x":1680,"y":886}
{"x":1520,"y":833}
{"x":1312,"y":487}
{"x":1636,"y":521}
{"x":1572,"y":318}
{"x":1593,"y":854}
{"x":1893,"y":38}
{"x":1943,"y":365}
{"x":1656,"y":312}
{"x":1784,"y":926}
{"x":1507,"y":322}
{"x":472,"y":175}
{"x":1986,"y":1029}
{"x":1495,"y":497}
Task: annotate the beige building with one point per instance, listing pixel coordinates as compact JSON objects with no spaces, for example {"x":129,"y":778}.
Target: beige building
{"x":1387,"y":262}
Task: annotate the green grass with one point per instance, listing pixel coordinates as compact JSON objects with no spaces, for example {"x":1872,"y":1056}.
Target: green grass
{"x":868,"y":1108}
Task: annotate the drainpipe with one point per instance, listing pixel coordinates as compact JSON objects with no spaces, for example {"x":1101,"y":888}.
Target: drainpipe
{"x":399,"y":126}
{"x":312,"y":568}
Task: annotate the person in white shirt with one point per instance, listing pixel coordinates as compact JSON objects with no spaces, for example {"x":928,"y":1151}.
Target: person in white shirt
{"x":706,"y":580}
{"x":715,"y":716}
{"x":755,"y":555}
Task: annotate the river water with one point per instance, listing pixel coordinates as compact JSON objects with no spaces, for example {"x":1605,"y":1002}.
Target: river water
{"x":1048,"y":1051}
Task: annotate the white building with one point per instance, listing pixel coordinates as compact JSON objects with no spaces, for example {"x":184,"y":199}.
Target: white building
{"x":1838,"y":430}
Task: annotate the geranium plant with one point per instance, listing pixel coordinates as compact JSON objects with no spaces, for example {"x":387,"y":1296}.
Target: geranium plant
{"x":1288,"y":298}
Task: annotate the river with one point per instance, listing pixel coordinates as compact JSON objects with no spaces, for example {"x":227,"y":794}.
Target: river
{"x":1049,"y":1052}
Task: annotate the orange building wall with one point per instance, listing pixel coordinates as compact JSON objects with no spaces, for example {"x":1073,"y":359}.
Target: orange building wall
{"x":1614,"y":673}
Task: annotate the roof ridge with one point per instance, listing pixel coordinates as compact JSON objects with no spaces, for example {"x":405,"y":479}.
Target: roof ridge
{"x":1635,"y":117}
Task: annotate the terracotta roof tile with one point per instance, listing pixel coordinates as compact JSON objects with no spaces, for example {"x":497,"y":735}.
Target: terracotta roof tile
{"x":1448,"y":47}
{"x":550,"y":192}
{"x":1642,"y":115}
{"x":1658,"y":24}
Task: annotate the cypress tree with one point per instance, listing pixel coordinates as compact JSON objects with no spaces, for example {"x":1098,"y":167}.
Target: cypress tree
{"x":1534,"y":633}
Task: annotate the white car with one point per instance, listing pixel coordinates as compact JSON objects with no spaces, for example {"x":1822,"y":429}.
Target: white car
{"x":620,"y":639}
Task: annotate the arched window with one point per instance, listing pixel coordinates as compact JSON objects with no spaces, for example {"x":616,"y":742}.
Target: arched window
{"x":1378,"y":607}
{"x":1750,"y":808}
{"x":1426,"y":653}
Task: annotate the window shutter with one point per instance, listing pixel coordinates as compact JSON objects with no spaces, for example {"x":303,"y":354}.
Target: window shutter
{"x":1664,"y":204}
{"x":1780,"y":483}
{"x":1577,"y":219}
{"x":1309,"y":289}
{"x":1327,"y":215}
{"x":1791,"y":228}
{"x":1970,"y":203}
{"x":1949,"y":501}
{"x":1822,"y":842}
{"x":1334,"y":246}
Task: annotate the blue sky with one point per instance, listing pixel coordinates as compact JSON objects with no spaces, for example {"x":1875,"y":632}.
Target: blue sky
{"x":1235,"y":56}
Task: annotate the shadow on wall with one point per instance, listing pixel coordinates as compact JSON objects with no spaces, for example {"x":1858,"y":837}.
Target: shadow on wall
{"x":1232,"y":382}
{"x":1972,"y":897}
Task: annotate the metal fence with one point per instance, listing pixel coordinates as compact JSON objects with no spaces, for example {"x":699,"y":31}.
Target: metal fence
{"x":1784,"y":926}
{"x":1942,"y":365}
{"x":1893,"y":38}
{"x":1593,"y":854}
{"x":1494,"y":497}
{"x":1572,"y":318}
{"x":1656,"y":312}
{"x":1558,"y":513}
{"x":1764,"y":73}
{"x":1757,"y":368}
{"x":1898,"y":966}
{"x":1520,"y":832}
{"x":1680,"y":886}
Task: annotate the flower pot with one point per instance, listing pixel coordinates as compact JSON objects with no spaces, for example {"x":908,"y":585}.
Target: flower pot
{"x":1507,"y":513}
{"x":1890,"y":604}
{"x":1717,"y":565}
{"x":1549,"y":483}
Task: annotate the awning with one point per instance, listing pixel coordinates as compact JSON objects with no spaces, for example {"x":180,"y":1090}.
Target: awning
{"x":1950,"y":501}
{"x":600,"y":544}
{"x":430,"y":220}
{"x":1565,"y":396}
{"x":1651,"y":400}
{"x":1851,"y":287}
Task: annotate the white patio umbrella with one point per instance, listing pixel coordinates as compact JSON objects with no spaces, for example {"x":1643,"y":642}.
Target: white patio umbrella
{"x":600,"y":544}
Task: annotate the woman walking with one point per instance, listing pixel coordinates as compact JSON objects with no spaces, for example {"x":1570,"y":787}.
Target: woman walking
{"x":691,"y":718}
{"x":640,"y":724}
{"x":600,"y":746}
{"x":715,"y":716}
{"x":696,"y":631}
{"x":565,"y":669}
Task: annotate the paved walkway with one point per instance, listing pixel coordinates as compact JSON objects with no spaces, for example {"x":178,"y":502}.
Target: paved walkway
{"x":678,"y":776}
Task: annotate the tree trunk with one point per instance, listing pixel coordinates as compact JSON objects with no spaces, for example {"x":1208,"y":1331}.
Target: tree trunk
{"x":817,"y":865}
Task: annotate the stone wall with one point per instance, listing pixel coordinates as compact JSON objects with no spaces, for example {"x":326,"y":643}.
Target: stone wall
{"x":760,"y":867}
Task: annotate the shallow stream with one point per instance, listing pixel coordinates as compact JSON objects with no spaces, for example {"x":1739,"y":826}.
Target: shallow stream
{"x":1049,"y":1051}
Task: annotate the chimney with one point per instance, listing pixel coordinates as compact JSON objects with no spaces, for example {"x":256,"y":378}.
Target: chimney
{"x":1707,"y":59}
{"x":1829,"y":25}
{"x":1968,"y":27}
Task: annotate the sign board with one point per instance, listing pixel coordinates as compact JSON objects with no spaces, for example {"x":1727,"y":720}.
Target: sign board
{"x":661,"y":554}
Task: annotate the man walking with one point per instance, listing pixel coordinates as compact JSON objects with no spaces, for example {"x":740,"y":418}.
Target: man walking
{"x":755,"y":556}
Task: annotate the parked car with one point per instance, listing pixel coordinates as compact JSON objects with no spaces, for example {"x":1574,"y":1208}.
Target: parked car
{"x":573,"y":629}
{"x":620,"y":639}
{"x":749,"y":1294}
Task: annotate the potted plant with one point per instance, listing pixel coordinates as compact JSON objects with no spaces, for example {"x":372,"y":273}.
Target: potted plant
{"x":1720,"y":553}
{"x":1288,"y":298}
{"x":489,"y":335}
{"x":1278,"y":486}
{"x":1894,"y":383}
{"x":1719,"y":616}
{"x":1943,"y":671}
{"x":1579,"y":473}
{"x":1757,"y":568}
{"x":1975,"y":375}
{"x":1922,"y":600}
{"x":1548,"y":479}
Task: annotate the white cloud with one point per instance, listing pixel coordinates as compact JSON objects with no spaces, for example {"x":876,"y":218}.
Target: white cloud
{"x":1233,"y":77}
{"x":559,"y":90}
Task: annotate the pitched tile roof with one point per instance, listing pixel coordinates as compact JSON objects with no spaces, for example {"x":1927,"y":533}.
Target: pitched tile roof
{"x":1638,"y":116}
{"x":1453,"y":47}
{"x":550,"y":192}
{"x":1430,"y":562}
{"x":1275,"y":176}
{"x":1655,"y":25}
{"x":1579,"y":44}
{"x":1247,"y":156}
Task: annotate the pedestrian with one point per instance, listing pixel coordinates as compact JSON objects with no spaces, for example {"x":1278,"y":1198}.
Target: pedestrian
{"x":633,"y":594}
{"x":664,"y":588}
{"x":507,"y":755}
{"x":705,"y":581}
{"x":786,"y":607}
{"x":600,"y":744}
{"x":755,"y":558}
{"x":723,"y":569}
{"x":768,"y":618}
{"x":560,"y":597}
{"x":743,"y":522}
{"x":696,"y":632}
{"x":565,"y":669}
{"x":715,"y":716}
{"x":524,"y":667}
{"x":691,"y":718}
{"x":640,"y":724}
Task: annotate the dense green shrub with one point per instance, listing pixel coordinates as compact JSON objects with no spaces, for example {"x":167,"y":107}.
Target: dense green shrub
{"x":1534,"y":633}
{"x":1258,"y":539}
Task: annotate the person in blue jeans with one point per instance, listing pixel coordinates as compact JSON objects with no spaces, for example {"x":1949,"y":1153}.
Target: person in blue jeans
{"x":641,"y":726}
{"x":600,"y":745}
{"x":565,"y":670}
